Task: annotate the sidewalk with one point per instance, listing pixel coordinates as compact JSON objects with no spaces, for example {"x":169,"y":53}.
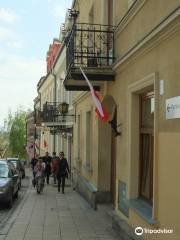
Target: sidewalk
{"x":54,"y":216}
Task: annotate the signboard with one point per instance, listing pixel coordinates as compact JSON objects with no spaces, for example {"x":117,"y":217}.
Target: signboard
{"x":173,"y":108}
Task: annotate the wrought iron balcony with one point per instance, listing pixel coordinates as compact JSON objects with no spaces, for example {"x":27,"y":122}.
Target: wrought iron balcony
{"x":56,"y":130}
{"x":90,"y":46}
{"x":52,"y":116}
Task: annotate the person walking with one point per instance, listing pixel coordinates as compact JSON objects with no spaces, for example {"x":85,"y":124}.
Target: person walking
{"x":39,"y":170}
{"x":33,"y":164}
{"x":54,"y":163}
{"x":47,"y":161}
{"x":62,"y":171}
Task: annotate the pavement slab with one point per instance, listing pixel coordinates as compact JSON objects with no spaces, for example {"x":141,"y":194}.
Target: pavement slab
{"x":56,"y":216}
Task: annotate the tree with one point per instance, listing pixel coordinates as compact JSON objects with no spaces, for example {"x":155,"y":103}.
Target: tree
{"x":17,"y":133}
{"x":4,"y":136}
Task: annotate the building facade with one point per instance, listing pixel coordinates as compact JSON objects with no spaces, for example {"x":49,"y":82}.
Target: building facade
{"x":30,"y":136}
{"x":127,"y":160}
{"x":56,"y":128}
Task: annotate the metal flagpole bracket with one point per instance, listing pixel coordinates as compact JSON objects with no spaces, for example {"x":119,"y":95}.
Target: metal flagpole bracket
{"x":115,"y":127}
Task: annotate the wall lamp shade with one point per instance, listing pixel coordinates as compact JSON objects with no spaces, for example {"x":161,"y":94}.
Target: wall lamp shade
{"x":63,"y":108}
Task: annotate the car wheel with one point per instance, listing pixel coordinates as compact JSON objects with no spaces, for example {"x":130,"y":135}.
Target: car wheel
{"x":16,"y":194}
{"x":19,"y":185}
{"x":10,"y":202}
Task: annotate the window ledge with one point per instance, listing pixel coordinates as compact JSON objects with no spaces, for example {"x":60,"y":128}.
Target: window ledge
{"x":143,"y":209}
{"x":78,"y":160}
{"x":88,"y":168}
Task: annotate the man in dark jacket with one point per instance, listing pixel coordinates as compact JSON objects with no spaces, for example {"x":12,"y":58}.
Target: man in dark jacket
{"x":47,"y":161}
{"x":62,"y":171}
{"x":33,"y":164}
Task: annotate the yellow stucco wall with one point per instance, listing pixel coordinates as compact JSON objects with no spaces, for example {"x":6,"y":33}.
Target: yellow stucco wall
{"x":160,"y":56}
{"x":168,"y":179}
{"x":145,"y":18}
{"x":164,"y":60}
{"x":84,"y":105}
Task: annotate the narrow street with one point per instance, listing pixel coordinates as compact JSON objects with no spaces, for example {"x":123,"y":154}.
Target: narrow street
{"x":90,"y":100}
{"x":54,"y":215}
{"x":5,"y":213}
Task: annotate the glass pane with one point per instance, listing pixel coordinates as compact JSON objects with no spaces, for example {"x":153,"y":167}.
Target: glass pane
{"x":3,"y":171}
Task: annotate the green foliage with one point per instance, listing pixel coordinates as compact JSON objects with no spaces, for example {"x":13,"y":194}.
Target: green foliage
{"x":13,"y":134}
{"x":17,"y":134}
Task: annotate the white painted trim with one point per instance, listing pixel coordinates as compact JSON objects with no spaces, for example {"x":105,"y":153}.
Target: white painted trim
{"x":137,"y":88}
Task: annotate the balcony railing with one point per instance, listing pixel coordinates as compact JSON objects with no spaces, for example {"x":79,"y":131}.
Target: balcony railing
{"x":52,"y":115}
{"x":90,"y":45}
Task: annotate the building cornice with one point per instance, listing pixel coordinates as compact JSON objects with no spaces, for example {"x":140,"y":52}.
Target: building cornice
{"x":162,"y":31}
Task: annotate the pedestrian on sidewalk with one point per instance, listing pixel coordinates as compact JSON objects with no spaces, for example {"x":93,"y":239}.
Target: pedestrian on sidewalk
{"x":62,"y":171}
{"x":47,"y":161}
{"x":33,"y":164}
{"x":54,"y":163}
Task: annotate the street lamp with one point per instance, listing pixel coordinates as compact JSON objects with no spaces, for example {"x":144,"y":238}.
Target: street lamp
{"x":63,"y":108}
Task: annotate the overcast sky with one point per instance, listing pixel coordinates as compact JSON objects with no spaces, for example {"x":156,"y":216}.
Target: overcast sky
{"x":26,"y":30}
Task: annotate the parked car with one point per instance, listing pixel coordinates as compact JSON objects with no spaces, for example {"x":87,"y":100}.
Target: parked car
{"x":9,"y":184}
{"x":17,"y":165}
{"x":22,"y":168}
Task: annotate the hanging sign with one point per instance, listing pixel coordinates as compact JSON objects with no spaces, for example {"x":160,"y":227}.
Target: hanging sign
{"x":173,"y":108}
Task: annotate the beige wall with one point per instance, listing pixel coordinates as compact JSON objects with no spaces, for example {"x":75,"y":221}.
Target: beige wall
{"x":159,"y":56}
{"x":168,"y":179}
{"x":83,"y":105}
{"x":144,"y":17}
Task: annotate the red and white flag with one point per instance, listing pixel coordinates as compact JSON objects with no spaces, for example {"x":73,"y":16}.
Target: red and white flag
{"x":102,"y":114}
{"x":45,"y":143}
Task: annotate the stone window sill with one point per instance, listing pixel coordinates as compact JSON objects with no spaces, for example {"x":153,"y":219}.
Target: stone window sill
{"x":143,"y":209}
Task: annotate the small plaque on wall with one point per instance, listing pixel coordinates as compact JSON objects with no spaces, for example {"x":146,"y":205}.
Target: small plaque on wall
{"x":122,"y":201}
{"x":173,"y":108}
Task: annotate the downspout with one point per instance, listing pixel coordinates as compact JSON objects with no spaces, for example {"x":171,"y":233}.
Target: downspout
{"x":55,"y":95}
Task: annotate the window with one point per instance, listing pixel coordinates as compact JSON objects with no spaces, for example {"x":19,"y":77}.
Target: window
{"x":146,"y":145}
{"x":88,"y":139}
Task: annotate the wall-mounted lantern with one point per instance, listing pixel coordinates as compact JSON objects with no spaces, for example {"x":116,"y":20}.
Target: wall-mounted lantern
{"x":63,"y":108}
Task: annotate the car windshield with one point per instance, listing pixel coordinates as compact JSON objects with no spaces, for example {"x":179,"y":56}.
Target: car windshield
{"x":15,"y":163}
{"x":3,"y":170}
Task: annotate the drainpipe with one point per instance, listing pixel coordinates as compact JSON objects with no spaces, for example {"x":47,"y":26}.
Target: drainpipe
{"x":55,"y":88}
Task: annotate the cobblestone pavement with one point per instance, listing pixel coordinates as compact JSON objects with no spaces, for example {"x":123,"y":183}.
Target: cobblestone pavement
{"x":52,"y":215}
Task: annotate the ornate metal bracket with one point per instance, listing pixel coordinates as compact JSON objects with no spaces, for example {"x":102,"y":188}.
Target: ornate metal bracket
{"x":115,"y":127}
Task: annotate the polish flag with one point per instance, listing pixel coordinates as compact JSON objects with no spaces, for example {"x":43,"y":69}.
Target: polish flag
{"x":45,"y":143}
{"x":102,"y":114}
